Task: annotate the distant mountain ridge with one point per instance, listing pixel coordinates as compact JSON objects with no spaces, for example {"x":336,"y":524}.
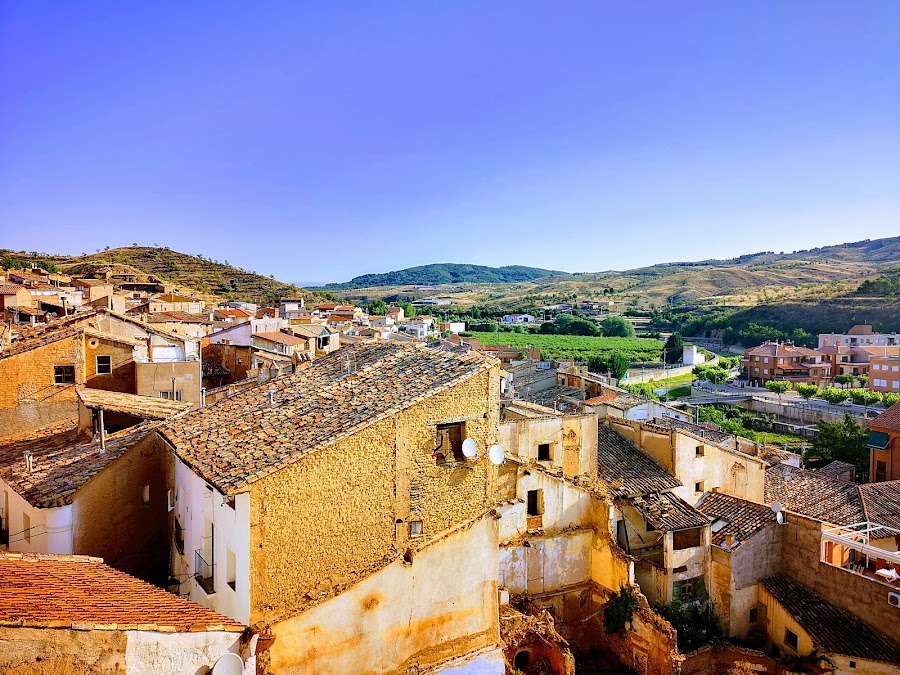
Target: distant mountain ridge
{"x":447,"y":273}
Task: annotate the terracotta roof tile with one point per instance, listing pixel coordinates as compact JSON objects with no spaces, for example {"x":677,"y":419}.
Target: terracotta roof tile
{"x":888,"y":420}
{"x":882,"y":502}
{"x":626,"y":470}
{"x":742,"y":518}
{"x":68,"y":591}
{"x":281,"y":338}
{"x":813,"y":494}
{"x":145,"y":407}
{"x":333,"y":397}
{"x":834,"y":630}
{"x":667,"y":512}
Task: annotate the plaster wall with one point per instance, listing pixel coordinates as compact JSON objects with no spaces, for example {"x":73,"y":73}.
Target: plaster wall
{"x":60,"y":651}
{"x":155,"y":377}
{"x":50,"y":529}
{"x":121,"y":361}
{"x":572,"y":440}
{"x":547,"y":563}
{"x":151,"y":653}
{"x":442,"y":604}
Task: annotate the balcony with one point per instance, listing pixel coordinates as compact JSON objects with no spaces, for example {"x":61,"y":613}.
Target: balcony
{"x":204,"y":572}
{"x":850,"y":548}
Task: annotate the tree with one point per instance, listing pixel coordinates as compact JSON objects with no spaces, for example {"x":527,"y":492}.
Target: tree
{"x":674,"y":348}
{"x":806,"y":391}
{"x":715,"y":376}
{"x":890,"y":399}
{"x":778,"y":387}
{"x":835,"y":396}
{"x":616,"y":326}
{"x":377,"y":308}
{"x":618,"y":366}
{"x":843,"y":379}
{"x":863,"y":380}
{"x":843,"y":441}
{"x":620,"y":610}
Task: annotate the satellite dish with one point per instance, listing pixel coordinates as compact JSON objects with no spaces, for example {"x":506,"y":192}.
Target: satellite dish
{"x":469,"y":448}
{"x":229,"y":664}
{"x":495,"y":454}
{"x":509,"y":379}
{"x":779,"y":516}
{"x":776,"y":507}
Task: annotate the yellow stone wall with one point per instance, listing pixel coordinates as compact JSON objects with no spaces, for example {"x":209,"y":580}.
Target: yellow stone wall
{"x":331,"y":519}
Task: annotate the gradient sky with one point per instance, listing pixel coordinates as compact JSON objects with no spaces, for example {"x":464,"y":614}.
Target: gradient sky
{"x":319,"y":141}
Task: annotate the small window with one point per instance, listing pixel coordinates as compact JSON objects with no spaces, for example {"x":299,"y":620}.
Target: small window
{"x":145,"y":496}
{"x":544,"y":452}
{"x":104,"y":365}
{"x":415,"y":528}
{"x":449,"y":447}
{"x":685,"y":591}
{"x":535,"y":502}
{"x":168,"y":395}
{"x":791,"y":639}
{"x":682,"y":539}
{"x":753,"y":615}
{"x":698,"y":487}
{"x":170,"y":499}
{"x":63,"y":374}
{"x":852,"y":664}
{"x":229,"y":502}
{"x":698,"y":451}
{"x":179,"y":537}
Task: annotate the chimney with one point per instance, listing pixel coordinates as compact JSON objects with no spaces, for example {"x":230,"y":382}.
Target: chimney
{"x":29,"y":460}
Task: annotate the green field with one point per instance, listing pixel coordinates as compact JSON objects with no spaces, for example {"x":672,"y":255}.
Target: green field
{"x":579,"y":346}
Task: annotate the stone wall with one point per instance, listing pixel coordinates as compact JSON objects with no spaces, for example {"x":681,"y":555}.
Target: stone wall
{"x":41,"y":651}
{"x":340,"y":514}
{"x":719,"y":661}
{"x":121,"y":361}
{"x":866,"y":598}
{"x":29,"y":397}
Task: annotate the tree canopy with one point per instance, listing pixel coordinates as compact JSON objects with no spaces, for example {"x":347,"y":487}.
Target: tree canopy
{"x":616,"y":326}
{"x":674,"y":348}
{"x":843,"y":441}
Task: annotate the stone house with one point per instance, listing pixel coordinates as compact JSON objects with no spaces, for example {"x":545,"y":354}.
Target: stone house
{"x":172,"y":302}
{"x":280,"y":343}
{"x":67,"y":614}
{"x":342,"y":491}
{"x":13,"y":296}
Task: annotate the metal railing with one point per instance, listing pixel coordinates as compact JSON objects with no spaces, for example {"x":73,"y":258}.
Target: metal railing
{"x":204,"y":572}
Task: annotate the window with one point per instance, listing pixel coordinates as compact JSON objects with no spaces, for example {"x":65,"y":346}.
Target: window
{"x":766,"y":360}
{"x":753,"y":615}
{"x":853,"y":664}
{"x":699,"y":451}
{"x":168,"y":395}
{"x":880,"y":472}
{"x":682,"y":539}
{"x":894,"y":369}
{"x":26,"y":527}
{"x":535,"y":502}
{"x":449,"y":448}
{"x":685,"y":591}
{"x":179,"y":537}
{"x":63,"y":374}
{"x":415,"y":528}
{"x":104,"y":365}
{"x":875,"y":366}
{"x":170,"y":499}
{"x":791,"y":639}
{"x":895,"y":384}
{"x":145,"y":496}
{"x":544,"y":452}
{"x":230,"y":564}
{"x":698,"y":487}
{"x":776,"y":652}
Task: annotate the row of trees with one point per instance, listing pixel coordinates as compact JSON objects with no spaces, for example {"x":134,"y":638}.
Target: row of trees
{"x":569,"y":324}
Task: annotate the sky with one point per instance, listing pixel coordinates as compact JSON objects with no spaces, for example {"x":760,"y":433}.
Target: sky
{"x":318,"y":141}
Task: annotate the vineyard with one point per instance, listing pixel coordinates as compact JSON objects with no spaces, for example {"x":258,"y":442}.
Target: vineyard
{"x":579,"y":347}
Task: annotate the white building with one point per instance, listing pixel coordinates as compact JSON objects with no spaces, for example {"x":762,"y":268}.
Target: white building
{"x":692,"y":356}
{"x":517,"y":318}
{"x":859,"y":336}
{"x":241,"y":334}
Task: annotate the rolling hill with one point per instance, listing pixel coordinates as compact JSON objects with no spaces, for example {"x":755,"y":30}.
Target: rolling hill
{"x":193,"y":275}
{"x":447,"y":273}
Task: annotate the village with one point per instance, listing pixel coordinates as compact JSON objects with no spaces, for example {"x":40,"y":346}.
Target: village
{"x":238,"y":488}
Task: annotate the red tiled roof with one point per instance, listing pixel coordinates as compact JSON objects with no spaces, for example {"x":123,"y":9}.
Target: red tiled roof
{"x":280,"y":338}
{"x":80,"y":592}
{"x":742,"y":518}
{"x":889,"y":420}
{"x":11,"y":289}
{"x":601,"y":399}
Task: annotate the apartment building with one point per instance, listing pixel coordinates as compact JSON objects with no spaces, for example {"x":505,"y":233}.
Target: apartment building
{"x":859,"y":336}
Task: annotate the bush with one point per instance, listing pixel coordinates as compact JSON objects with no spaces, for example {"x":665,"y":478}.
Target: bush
{"x":619,"y":611}
{"x":696,"y":625}
{"x":889,"y":399}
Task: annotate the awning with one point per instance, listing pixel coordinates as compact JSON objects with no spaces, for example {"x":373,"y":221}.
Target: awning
{"x":878,"y":440}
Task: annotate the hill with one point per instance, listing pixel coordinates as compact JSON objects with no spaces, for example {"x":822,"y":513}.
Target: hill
{"x":447,"y":273}
{"x":208,"y":279}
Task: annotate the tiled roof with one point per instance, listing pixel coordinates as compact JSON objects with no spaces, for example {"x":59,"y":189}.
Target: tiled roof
{"x":182,"y":317}
{"x":145,"y":407}
{"x":697,"y":429}
{"x":605,"y":398}
{"x":627,"y":470}
{"x":888,"y":420}
{"x":666,"y":511}
{"x":280,"y":338}
{"x":834,"y":630}
{"x":861,"y":329}
{"x":62,"y":463}
{"x":26,"y":343}
{"x":838,"y":469}
{"x":625,"y":401}
{"x":10,"y":289}
{"x":310,"y":330}
{"x":742,"y":518}
{"x":80,"y":592}
{"x":531,"y":410}
{"x":882,"y":502}
{"x":241,"y":439}
{"x":171,"y":297}
{"x":815,"y":495}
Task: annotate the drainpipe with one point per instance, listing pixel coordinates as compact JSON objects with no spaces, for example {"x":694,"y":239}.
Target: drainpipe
{"x":102,"y":434}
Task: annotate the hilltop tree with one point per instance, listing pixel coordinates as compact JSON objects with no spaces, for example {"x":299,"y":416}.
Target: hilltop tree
{"x":674,"y":348}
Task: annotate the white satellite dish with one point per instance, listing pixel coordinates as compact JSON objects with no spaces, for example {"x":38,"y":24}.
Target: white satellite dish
{"x":776,"y":507}
{"x":779,"y":516}
{"x":469,"y":448}
{"x":229,"y":664}
{"x":495,"y":454}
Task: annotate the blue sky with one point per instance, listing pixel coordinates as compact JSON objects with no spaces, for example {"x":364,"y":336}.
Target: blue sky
{"x":318,"y":141}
